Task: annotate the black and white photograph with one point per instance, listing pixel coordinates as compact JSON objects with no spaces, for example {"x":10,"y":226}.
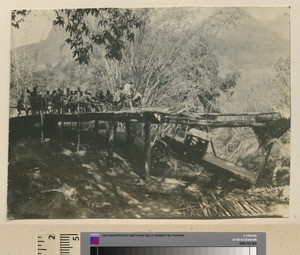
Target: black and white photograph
{"x":149,"y":113}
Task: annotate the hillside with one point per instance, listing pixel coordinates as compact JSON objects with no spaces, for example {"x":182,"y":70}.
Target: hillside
{"x":51,"y":51}
{"x":254,"y":46}
{"x":250,"y":46}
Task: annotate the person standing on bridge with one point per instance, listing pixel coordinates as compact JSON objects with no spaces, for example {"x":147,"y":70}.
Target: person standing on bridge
{"x":53,"y":101}
{"x":67,"y":92}
{"x":73,"y":101}
{"x":34,"y":100}
{"x":100,"y":101}
{"x":59,"y":100}
{"x":117,"y":104}
{"x":40,"y":103}
{"x":27,"y":104}
{"x":109,"y":100}
{"x":68,"y":107}
{"x":21,"y":105}
{"x":137,"y":100}
{"x":47,"y":100}
{"x":81,"y":101}
{"x":127,"y":95}
{"x":87,"y":101}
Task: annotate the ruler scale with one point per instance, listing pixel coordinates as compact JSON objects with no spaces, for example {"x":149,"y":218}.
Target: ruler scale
{"x":69,"y":244}
{"x":46,"y":244}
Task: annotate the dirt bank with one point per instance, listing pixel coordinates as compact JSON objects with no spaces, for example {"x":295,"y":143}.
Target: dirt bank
{"x":48,"y":180}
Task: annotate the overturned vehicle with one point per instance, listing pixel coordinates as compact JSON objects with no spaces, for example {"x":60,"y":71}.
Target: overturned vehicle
{"x":193,"y":148}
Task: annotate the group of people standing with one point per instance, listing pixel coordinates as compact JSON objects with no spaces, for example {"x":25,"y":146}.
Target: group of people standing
{"x":73,"y":101}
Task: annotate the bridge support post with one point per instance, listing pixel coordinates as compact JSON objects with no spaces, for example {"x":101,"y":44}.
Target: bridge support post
{"x":96,"y":126}
{"x":42,"y":123}
{"x":111,"y":141}
{"x":147,"y":149}
{"x":78,"y":132}
{"x":129,"y":137}
{"x":262,"y":172}
{"x":61,"y":131}
{"x":78,"y":123}
{"x":213,"y":148}
{"x":62,"y":121}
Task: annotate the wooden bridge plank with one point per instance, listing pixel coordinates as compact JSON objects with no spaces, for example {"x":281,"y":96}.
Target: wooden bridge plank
{"x":160,"y":116}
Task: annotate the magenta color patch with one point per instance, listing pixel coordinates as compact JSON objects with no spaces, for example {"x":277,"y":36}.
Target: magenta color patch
{"x":94,"y":239}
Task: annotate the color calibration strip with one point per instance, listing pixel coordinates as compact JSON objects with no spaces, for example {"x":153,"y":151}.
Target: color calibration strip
{"x":173,"y":250}
{"x":152,"y":243}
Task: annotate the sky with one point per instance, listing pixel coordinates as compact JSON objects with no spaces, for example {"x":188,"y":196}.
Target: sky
{"x":35,"y":28}
{"x":38,"y":24}
{"x":268,"y":13}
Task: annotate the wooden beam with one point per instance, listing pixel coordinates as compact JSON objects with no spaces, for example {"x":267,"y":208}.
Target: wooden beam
{"x":147,"y":149}
{"x":129,"y":137}
{"x":215,"y":123}
{"x":262,"y":171}
{"x":111,"y":141}
{"x":78,"y":132}
{"x":260,"y":120}
{"x":213,"y":147}
{"x":62,"y":121}
{"x":42,"y":122}
{"x":236,"y":114}
{"x":96,"y":126}
{"x":257,"y":120}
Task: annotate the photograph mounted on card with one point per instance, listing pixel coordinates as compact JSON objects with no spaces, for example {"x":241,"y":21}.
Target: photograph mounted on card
{"x":149,"y":113}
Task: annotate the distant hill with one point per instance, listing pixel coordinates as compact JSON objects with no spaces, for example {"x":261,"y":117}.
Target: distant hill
{"x":252,"y":46}
{"x":49,"y":51}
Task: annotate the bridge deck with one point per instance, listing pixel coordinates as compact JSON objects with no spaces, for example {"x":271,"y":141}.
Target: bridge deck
{"x":158,"y":116}
{"x":47,"y":125}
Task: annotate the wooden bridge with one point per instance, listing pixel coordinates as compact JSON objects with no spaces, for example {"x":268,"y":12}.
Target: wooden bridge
{"x":266,"y":124}
{"x":157,"y":116}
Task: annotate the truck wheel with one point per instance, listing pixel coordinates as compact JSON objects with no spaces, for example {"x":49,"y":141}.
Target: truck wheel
{"x":159,"y":150}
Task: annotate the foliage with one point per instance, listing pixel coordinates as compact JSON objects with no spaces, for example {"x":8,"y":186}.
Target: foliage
{"x":18,"y":16}
{"x":282,"y":84}
{"x":269,"y":92}
{"x":171,"y":61}
{"x":262,"y":91}
{"x":114,"y":27}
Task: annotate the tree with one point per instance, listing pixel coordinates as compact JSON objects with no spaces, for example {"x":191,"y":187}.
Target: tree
{"x":18,"y":16}
{"x":282,"y":85}
{"x":114,"y":27}
{"x":171,"y":61}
